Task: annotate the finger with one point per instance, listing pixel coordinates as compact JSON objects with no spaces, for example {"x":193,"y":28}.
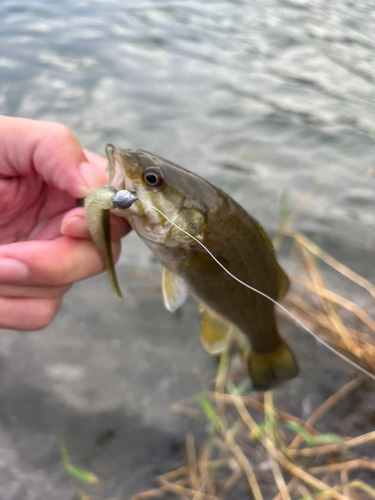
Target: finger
{"x":51,"y":263}
{"x":98,"y":161}
{"x":74,"y":225}
{"x":48,"y":149}
{"x":47,"y":229}
{"x":38,"y":292}
{"x":27,"y":314}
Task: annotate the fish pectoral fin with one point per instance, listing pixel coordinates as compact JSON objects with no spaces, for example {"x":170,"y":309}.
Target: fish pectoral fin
{"x":97,"y":209}
{"x":216,"y":332}
{"x":269,"y":369}
{"x":175,"y":290}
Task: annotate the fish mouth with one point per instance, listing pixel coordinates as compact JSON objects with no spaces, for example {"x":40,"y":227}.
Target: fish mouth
{"x":126,"y":170}
{"x":129,"y":186}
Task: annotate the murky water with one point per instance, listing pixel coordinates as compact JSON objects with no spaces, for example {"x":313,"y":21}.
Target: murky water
{"x":258,"y":96}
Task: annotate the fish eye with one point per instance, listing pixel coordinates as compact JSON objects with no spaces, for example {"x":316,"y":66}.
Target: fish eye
{"x":153,"y":177}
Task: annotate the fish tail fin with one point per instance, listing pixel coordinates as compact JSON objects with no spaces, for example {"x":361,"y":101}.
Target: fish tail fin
{"x":268,"y":370}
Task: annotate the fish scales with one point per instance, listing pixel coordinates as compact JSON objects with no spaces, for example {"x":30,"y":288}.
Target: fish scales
{"x":239,"y":247}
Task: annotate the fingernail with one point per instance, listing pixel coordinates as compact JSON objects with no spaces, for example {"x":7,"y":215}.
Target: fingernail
{"x":68,"y":223}
{"x":92,"y":177}
{"x":12,"y":270}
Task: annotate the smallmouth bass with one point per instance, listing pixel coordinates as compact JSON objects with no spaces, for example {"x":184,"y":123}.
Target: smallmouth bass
{"x":227,"y":230}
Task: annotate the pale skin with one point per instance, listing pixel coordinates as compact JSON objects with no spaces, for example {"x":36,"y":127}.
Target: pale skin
{"x":45,"y":246}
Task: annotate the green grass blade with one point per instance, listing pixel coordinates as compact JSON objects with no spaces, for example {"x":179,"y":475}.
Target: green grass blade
{"x":320,"y":439}
{"x":210,"y":413}
{"x":80,"y":474}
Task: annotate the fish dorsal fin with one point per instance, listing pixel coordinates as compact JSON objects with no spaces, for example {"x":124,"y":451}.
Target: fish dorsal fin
{"x":175,"y":290}
{"x":283,"y":282}
{"x":282,"y":278}
{"x":216,"y":331}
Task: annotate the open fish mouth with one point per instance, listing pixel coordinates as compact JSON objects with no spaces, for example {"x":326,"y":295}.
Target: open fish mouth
{"x":116,"y":170}
{"x":129,"y":186}
{"x":122,"y":168}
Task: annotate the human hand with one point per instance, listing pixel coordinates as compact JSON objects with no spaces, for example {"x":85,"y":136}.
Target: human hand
{"x":45,"y":245}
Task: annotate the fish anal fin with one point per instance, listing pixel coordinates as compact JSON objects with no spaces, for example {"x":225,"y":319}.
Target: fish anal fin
{"x":267,"y":370}
{"x":216,"y":332}
{"x":174,"y":288}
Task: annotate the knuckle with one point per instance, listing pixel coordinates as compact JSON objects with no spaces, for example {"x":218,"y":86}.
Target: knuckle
{"x":60,"y":129}
{"x":62,"y":132}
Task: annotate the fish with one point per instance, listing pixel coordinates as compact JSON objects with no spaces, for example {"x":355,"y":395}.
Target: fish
{"x":217,"y":221}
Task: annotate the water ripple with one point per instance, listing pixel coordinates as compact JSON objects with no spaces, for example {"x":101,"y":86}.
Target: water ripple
{"x":289,"y":83}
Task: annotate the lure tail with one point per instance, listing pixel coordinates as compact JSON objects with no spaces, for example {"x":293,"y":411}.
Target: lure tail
{"x":97,"y":207}
{"x":268,"y":370}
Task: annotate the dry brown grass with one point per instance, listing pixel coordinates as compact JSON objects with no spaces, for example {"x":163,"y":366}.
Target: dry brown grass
{"x":254,"y":450}
{"x":251,"y":449}
{"x":342,"y":323}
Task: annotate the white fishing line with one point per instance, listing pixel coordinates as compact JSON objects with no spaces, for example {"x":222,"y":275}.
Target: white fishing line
{"x":321,"y":341}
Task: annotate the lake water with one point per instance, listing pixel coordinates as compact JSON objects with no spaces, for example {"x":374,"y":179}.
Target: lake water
{"x":259,"y":97}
